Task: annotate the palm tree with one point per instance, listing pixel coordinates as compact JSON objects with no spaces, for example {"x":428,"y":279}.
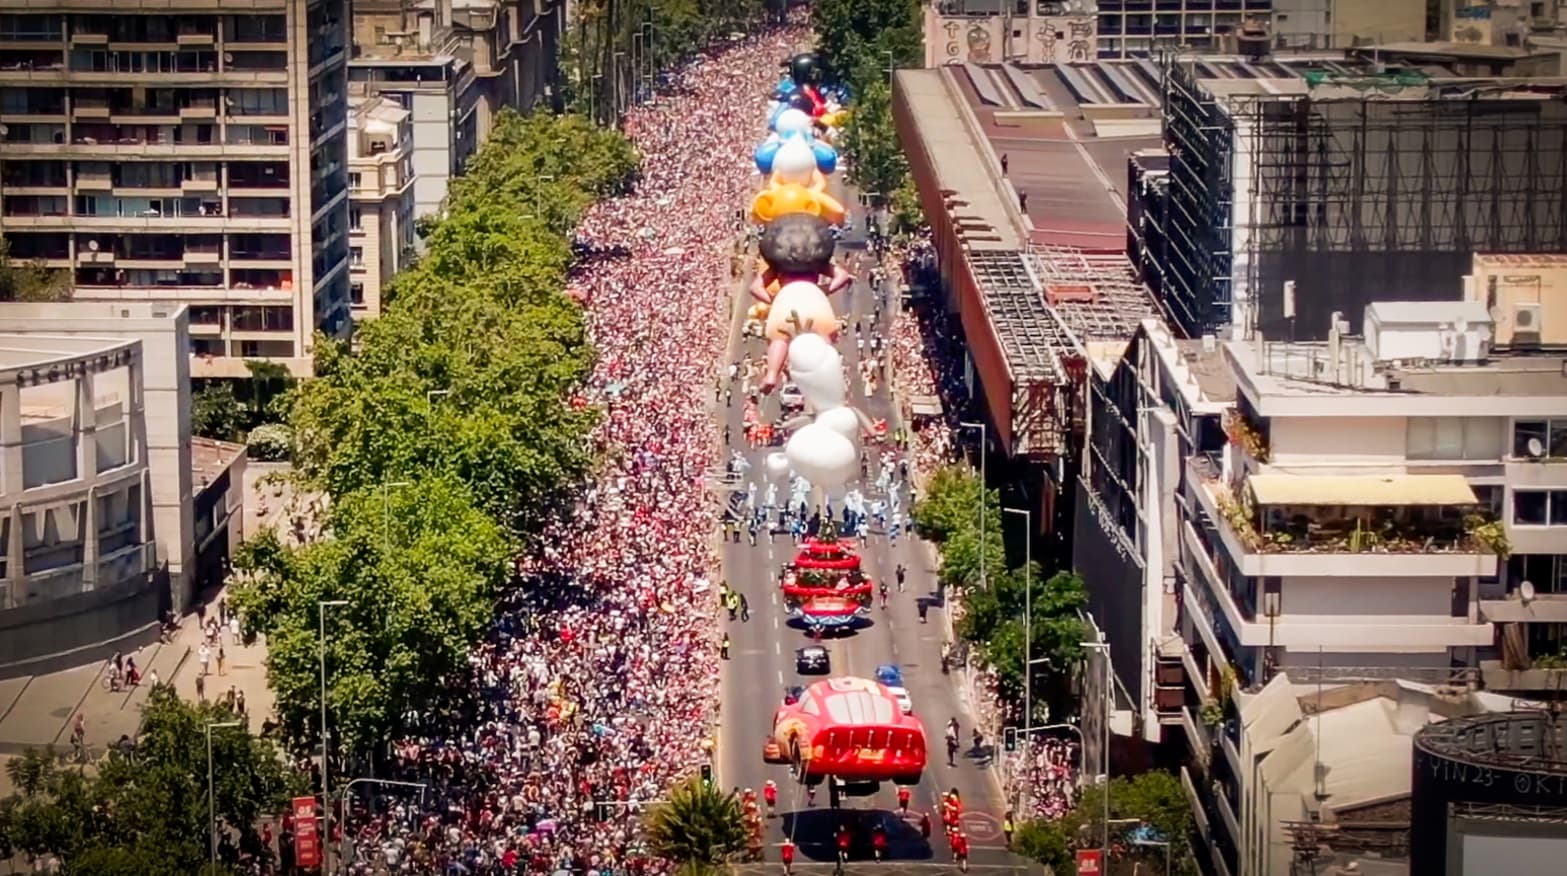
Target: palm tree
{"x":31,"y":772}
{"x":698,"y":828}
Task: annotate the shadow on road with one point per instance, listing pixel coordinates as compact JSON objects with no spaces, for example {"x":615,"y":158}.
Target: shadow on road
{"x":815,"y":833}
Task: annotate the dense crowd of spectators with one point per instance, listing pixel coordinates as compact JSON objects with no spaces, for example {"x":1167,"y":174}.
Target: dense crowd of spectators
{"x":602,"y":674}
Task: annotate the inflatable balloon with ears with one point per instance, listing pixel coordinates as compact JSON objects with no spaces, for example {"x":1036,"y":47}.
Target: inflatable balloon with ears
{"x":796,"y":163}
{"x":775,"y":201}
{"x":789,"y":154}
{"x":794,"y":248}
{"x":792,"y":123}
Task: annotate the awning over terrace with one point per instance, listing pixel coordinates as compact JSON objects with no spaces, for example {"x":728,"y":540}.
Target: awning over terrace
{"x":1371,"y":490}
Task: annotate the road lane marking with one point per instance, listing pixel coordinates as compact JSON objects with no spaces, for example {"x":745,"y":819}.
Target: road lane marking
{"x":778,"y":647}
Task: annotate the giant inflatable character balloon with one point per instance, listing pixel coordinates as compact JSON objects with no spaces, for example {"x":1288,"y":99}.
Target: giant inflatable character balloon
{"x":775,"y":201}
{"x":826,"y":449}
{"x":804,"y":68}
{"x":796,"y":163}
{"x":796,"y":248}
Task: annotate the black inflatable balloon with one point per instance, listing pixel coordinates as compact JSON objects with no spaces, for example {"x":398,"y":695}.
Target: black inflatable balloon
{"x":801,"y":101}
{"x":798,"y":243}
{"x":805,"y":68}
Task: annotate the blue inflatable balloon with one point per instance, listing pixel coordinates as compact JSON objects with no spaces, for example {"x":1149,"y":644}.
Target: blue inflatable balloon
{"x":826,"y":157}
{"x":766,"y":152}
{"x":772,"y":117}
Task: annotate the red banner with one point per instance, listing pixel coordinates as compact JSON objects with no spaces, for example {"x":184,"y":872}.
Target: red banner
{"x":1088,"y":862}
{"x":307,"y":839}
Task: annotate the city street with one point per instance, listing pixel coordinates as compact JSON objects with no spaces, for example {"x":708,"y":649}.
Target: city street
{"x":762,"y":663}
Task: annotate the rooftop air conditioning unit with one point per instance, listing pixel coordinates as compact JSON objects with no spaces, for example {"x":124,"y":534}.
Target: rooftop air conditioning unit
{"x":1527,"y":318}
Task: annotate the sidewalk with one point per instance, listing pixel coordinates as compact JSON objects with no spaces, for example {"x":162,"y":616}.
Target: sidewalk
{"x":37,"y":711}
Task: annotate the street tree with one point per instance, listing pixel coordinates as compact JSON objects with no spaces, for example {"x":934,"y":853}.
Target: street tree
{"x":419,"y":566}
{"x":147,"y":812}
{"x":216,"y":412}
{"x":699,"y":828}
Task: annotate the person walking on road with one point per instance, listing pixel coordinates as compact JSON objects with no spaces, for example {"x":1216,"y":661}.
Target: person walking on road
{"x":723,"y":648}
{"x":745,"y":604}
{"x":900,"y":573}
{"x":205,"y":655}
{"x":786,"y":854}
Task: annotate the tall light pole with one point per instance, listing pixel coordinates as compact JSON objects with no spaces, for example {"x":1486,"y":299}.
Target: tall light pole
{"x":647,"y":49}
{"x":326,"y":771}
{"x":1104,"y":752}
{"x":342,"y":846}
{"x":212,"y":797}
{"x":1028,"y":613}
{"x":638,"y":54}
{"x":984,"y":495}
{"x":386,"y":513}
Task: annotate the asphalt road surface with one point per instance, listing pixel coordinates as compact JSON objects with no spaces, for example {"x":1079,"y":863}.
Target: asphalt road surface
{"x":762,"y":661}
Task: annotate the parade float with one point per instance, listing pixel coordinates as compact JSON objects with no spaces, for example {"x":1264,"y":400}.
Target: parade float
{"x":850,"y":729}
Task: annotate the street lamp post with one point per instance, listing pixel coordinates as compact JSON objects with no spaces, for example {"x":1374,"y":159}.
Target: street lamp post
{"x":342,"y":846}
{"x":212,"y":797}
{"x":892,"y":66}
{"x":638,"y":55}
{"x":326,"y":772}
{"x":1104,"y":752}
{"x":984,"y":496}
{"x":1028,"y":612}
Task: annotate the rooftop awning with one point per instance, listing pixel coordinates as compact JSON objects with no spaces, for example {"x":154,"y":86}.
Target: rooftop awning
{"x":1377,"y":490}
{"x":925,"y":406}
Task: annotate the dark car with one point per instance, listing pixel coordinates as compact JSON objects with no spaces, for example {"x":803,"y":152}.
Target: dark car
{"x":812,"y":659}
{"x":792,"y":694}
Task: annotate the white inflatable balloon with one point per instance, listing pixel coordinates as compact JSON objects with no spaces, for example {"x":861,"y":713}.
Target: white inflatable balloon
{"x":823,"y":456}
{"x":842,"y":420}
{"x":777,"y":463}
{"x":795,"y":162}
{"x":817,"y":368}
{"x":793,"y":123}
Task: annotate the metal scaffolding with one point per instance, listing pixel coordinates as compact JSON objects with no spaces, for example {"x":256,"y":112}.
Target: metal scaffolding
{"x":1356,"y":188}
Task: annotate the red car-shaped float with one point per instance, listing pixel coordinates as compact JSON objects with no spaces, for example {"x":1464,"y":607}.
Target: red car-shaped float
{"x":851,"y":729}
{"x":829,"y":611}
{"x":824,"y":569}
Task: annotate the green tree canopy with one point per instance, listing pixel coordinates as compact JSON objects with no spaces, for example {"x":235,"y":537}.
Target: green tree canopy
{"x":215,"y":412}
{"x":1153,"y":800}
{"x":31,"y":281}
{"x":419,"y":566}
{"x":698,"y":828}
{"x":147,"y":813}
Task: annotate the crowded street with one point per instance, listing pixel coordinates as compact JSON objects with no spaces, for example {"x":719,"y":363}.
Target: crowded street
{"x":601,"y":683}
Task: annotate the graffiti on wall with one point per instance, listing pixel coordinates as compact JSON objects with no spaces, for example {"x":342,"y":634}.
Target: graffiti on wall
{"x":1055,"y":39}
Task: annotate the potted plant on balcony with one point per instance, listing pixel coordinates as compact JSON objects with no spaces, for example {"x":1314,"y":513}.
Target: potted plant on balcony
{"x":1242,"y":435}
{"x":1211,"y":714}
{"x":1490,"y":534}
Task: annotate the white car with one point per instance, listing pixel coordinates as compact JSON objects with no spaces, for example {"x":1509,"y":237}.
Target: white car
{"x":790,"y":396}
{"x":905,"y":702}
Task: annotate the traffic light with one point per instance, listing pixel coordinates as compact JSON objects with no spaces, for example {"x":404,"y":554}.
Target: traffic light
{"x":1009,"y":738}
{"x":707,"y":775}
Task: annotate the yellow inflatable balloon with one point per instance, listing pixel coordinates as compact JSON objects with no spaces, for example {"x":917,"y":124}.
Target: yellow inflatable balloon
{"x":776,"y":201}
{"x":834,"y":119}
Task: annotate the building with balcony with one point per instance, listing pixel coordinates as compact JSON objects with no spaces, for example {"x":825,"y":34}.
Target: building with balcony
{"x":1139,"y":28}
{"x":95,"y":477}
{"x":454,"y":64}
{"x":1009,"y":31}
{"x":191,"y":153}
{"x":381,"y":199}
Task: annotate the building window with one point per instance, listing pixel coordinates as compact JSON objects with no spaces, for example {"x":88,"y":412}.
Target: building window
{"x":1453,"y":438}
{"x":356,"y":293}
{"x":356,"y":256}
{"x":1548,"y":437}
{"x":355,"y":219}
{"x":1540,"y":507}
{"x":353,"y":180}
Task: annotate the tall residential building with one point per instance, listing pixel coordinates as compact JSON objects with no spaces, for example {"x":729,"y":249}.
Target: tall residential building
{"x":453,"y":64}
{"x":1342,"y":24}
{"x":381,"y":205}
{"x":194,"y":153}
{"x":1139,"y":28}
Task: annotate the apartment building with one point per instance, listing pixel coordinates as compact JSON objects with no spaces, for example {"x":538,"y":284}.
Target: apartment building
{"x":454,"y":64}
{"x":381,"y":200}
{"x":189,"y":152}
{"x":1369,"y":507}
{"x":1138,"y":28}
{"x":1342,"y":24}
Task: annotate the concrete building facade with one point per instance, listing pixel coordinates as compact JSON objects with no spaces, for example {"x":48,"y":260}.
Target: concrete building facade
{"x":381,"y":205}
{"x":96,"y":473}
{"x":453,"y":65}
{"x":185,"y":151}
